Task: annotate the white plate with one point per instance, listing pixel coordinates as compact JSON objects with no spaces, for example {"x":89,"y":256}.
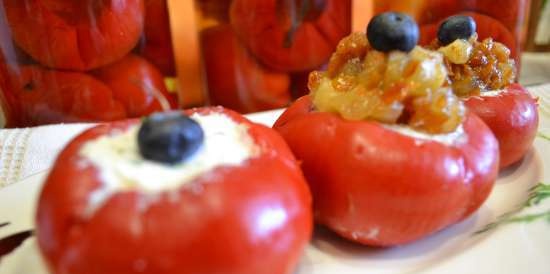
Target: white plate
{"x":519,"y":247}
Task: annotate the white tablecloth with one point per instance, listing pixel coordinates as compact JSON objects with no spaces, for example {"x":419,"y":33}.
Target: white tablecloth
{"x":26,"y":151}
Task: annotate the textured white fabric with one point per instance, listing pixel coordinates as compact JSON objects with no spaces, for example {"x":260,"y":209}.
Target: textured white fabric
{"x":535,"y":68}
{"x":26,"y":151}
{"x":543,"y":94}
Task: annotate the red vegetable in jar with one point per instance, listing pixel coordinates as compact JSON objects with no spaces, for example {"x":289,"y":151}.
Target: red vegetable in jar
{"x":251,"y":217}
{"x":75,"y":35}
{"x":137,"y":84}
{"x":131,"y":87}
{"x":235,"y":80}
{"x":291,"y":35}
{"x":157,"y":37}
{"x":42,"y":96}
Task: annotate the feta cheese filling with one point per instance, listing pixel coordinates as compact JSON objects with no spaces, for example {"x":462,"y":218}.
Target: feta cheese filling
{"x":458,"y":136}
{"x":122,"y":168}
{"x":491,"y":93}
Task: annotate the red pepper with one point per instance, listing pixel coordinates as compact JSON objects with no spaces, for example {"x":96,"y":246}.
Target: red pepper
{"x":512,"y":116}
{"x":76,"y":35}
{"x":131,"y":87}
{"x":290,"y":37}
{"x":137,"y":84}
{"x":379,"y":187}
{"x":235,"y":80}
{"x":157,"y":37}
{"x":253,"y":218}
{"x":42,"y":96}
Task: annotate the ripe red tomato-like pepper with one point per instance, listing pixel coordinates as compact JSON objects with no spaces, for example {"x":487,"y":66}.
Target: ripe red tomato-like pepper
{"x":291,"y":35}
{"x":157,"y":37}
{"x":512,"y":116}
{"x":235,"y":80}
{"x":43,"y":96}
{"x":379,"y":187}
{"x":253,"y":218}
{"x":76,"y":35}
{"x":137,"y":84}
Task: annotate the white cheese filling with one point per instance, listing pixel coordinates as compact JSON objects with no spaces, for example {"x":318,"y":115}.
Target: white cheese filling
{"x":491,"y":93}
{"x":456,"y":137}
{"x":122,"y":168}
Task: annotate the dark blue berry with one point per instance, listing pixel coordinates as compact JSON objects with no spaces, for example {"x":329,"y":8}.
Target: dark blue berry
{"x":169,"y":137}
{"x":392,"y":31}
{"x":456,"y":27}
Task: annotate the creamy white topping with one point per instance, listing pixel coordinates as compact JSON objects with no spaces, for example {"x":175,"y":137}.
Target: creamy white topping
{"x":491,"y":93}
{"x":456,"y":137}
{"x":122,"y":168}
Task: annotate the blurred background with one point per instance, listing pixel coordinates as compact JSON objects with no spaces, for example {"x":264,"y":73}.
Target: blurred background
{"x":103,"y":60}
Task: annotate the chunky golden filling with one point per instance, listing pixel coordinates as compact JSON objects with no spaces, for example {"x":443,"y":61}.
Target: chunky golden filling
{"x":406,"y":88}
{"x":476,"y":66}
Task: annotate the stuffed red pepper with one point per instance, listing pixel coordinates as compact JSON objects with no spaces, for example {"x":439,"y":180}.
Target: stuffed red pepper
{"x":206,"y":193}
{"x":390,"y":153}
{"x":483,"y":74}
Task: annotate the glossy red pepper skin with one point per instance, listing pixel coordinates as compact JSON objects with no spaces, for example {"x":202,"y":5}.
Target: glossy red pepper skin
{"x":235,"y":79}
{"x":39,"y":96}
{"x":263,"y":26}
{"x":247,"y":219}
{"x":157,"y":37}
{"x":75,"y":35}
{"x":512,"y":116}
{"x":378,"y":187}
{"x":137,"y":84}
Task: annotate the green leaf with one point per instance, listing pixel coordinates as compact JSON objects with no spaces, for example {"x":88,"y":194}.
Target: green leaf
{"x":543,"y":136}
{"x":537,"y":194}
{"x":530,"y":217}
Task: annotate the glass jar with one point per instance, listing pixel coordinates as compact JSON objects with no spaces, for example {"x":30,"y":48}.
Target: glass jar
{"x":83,"y":61}
{"x":257,"y":54}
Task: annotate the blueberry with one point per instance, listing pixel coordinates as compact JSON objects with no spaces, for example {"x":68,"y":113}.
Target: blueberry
{"x":169,"y":137}
{"x":456,"y":27}
{"x":392,"y":31}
